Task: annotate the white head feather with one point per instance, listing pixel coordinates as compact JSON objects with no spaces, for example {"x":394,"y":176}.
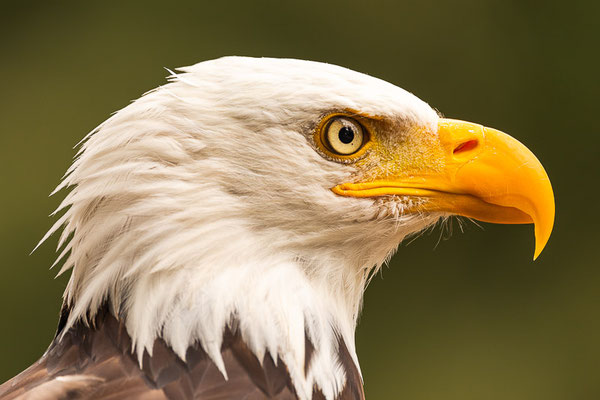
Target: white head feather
{"x":206,"y":200}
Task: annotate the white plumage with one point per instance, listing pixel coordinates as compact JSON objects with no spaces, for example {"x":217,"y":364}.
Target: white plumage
{"x":207,"y":199}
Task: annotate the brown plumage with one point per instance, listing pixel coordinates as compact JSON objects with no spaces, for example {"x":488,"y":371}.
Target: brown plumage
{"x":96,"y":362}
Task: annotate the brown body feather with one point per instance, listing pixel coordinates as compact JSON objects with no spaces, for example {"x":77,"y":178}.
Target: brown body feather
{"x":97,"y":363}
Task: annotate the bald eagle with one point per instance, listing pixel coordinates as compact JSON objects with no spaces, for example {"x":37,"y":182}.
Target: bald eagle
{"x":221,"y":229}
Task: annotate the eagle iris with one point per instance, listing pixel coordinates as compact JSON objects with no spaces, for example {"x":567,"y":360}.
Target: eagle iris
{"x":344,"y":135}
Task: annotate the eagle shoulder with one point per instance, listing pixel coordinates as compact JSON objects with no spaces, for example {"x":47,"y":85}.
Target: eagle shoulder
{"x":95,"y":361}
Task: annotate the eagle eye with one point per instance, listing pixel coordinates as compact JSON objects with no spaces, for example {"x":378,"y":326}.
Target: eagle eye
{"x":344,"y":136}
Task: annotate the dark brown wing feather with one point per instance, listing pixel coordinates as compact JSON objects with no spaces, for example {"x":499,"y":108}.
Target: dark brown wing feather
{"x":97,"y":363}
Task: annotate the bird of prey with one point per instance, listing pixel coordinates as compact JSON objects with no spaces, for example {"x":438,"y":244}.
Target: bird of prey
{"x":221,"y":229}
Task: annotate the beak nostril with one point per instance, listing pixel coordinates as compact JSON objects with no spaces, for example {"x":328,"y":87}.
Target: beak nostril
{"x":466,"y":146}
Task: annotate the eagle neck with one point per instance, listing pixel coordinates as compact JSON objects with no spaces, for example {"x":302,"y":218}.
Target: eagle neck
{"x":280,"y":306}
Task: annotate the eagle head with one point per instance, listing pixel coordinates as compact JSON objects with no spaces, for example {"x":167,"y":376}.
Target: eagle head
{"x":260,"y":194}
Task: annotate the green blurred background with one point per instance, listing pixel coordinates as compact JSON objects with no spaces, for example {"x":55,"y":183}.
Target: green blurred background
{"x":467,"y":318}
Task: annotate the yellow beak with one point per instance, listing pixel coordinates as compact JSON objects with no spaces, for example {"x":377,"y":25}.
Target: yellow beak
{"x":487,"y":175}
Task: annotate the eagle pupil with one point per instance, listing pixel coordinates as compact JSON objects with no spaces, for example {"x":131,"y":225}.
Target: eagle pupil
{"x":346,"y":135}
